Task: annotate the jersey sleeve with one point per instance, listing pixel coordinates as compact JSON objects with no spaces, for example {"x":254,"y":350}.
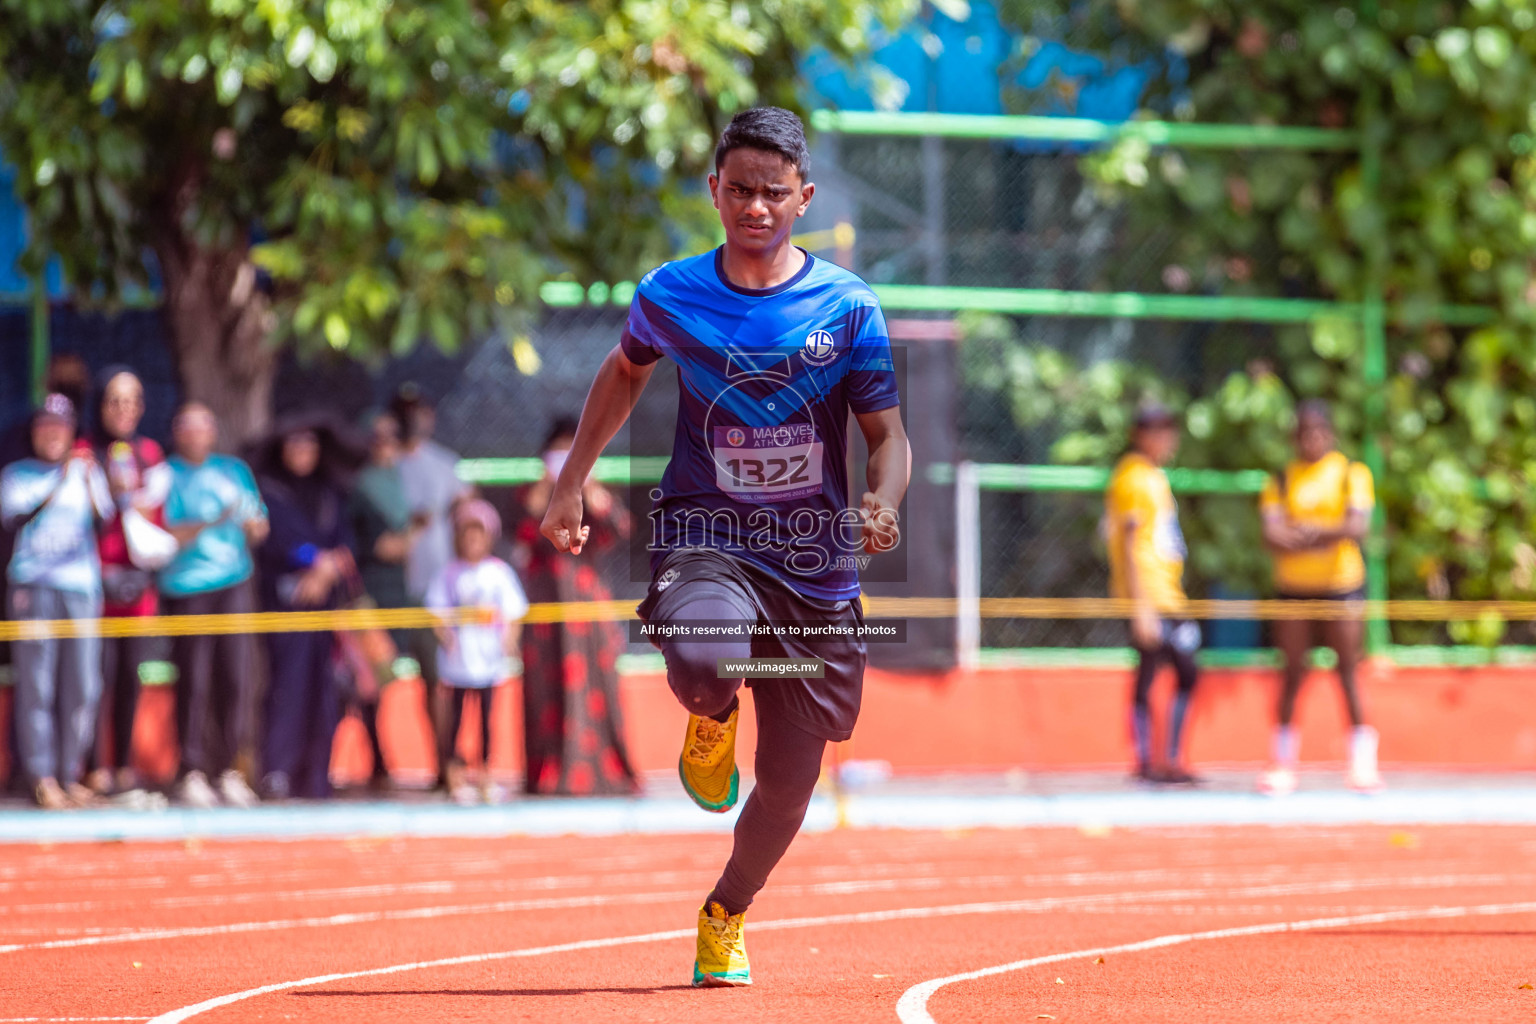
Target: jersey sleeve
{"x":1269,"y":499}
{"x":640,"y":341}
{"x":871,"y":378}
{"x":1361,"y":489}
{"x":1131,"y":497}
{"x":1115,"y":496}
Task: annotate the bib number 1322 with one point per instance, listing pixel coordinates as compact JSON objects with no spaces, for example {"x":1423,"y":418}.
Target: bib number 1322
{"x":768,"y":463}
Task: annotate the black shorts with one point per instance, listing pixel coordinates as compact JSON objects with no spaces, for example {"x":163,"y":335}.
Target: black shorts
{"x":826,"y":707}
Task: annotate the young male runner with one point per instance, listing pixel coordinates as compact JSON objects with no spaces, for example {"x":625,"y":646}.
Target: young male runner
{"x":752,"y":524}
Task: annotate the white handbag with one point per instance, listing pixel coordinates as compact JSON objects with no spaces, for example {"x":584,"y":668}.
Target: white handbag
{"x":149,"y":547}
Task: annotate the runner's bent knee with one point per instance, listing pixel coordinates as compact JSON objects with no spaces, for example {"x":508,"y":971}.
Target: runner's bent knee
{"x":692,"y":672}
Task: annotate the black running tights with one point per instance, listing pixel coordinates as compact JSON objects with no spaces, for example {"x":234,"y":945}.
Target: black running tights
{"x":787,"y":761}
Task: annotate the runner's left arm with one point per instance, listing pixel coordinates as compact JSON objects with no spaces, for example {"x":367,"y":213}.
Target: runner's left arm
{"x":889,"y":472}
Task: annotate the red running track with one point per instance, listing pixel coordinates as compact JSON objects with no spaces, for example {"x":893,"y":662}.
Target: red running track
{"x":852,"y":921}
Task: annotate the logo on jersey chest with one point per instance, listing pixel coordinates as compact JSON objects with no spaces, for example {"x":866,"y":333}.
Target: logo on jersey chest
{"x":819,"y":349}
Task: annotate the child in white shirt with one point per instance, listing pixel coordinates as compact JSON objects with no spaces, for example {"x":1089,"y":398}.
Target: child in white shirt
{"x":475,"y":656}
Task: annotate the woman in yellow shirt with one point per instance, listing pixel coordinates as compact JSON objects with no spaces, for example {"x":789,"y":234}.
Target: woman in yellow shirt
{"x":1315,"y":514}
{"x":1146,"y":565}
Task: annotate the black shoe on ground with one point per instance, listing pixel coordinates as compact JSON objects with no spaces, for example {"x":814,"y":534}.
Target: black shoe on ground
{"x":1176,"y":776}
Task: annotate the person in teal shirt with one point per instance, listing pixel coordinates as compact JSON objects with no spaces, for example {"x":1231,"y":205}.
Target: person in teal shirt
{"x":216,"y":513}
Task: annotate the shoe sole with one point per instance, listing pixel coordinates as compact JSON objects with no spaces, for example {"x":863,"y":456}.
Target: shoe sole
{"x":703,"y":980}
{"x":708,"y":805}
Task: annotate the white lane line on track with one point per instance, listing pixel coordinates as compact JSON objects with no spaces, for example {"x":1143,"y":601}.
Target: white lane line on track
{"x":785,"y":924}
{"x":1032,"y":905}
{"x":912,"y":1007}
{"x":60,"y":1020}
{"x":446,"y":887}
{"x":1073,"y":879}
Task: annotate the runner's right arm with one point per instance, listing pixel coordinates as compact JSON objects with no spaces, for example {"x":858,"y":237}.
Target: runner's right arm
{"x":611,"y":399}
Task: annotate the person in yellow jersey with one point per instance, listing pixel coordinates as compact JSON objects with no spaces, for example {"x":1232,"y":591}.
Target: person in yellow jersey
{"x":1146,"y":566}
{"x":1315,"y":514}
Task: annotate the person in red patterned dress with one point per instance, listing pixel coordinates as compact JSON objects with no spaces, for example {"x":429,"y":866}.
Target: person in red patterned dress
{"x":572,"y":726}
{"x":139,"y":477}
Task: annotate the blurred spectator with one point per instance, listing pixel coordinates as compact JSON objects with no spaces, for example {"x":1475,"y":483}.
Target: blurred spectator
{"x":216,"y":512}
{"x":573,"y":731}
{"x":306,"y":565}
{"x":385,"y":532}
{"x":1146,"y":566}
{"x":1316,"y":511}
{"x":53,"y":502}
{"x":475,"y":656}
{"x":67,"y":375}
{"x":140,"y":479}
{"x":432,"y":486}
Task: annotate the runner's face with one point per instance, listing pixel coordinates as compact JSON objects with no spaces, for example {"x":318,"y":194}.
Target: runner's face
{"x":759,"y":195}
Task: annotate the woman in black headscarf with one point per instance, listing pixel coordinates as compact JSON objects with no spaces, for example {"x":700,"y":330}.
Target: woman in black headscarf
{"x":306,"y":564}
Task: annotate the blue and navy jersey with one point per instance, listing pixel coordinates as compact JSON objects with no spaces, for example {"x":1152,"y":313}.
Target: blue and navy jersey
{"x":766,"y":377}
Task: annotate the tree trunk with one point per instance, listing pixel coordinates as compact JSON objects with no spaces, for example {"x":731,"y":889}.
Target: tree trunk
{"x":220,"y":322}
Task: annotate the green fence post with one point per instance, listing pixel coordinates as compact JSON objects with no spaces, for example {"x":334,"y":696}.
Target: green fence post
{"x":1373,"y":322}
{"x":40,"y":344}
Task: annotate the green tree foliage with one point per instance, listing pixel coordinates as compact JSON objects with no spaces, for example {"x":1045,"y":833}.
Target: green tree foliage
{"x":400,"y":169}
{"x":1087,"y":409}
{"x":1445,"y":89}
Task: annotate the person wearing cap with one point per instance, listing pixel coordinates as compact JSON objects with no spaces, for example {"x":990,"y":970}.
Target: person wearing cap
{"x":67,"y":375}
{"x":53,"y":501}
{"x":1146,"y":566}
{"x":1316,"y":511}
{"x":475,"y":656}
{"x":216,"y":512}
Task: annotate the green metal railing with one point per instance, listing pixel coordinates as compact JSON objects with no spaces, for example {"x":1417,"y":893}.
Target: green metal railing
{"x":1082,"y":129}
{"x":994,"y":476}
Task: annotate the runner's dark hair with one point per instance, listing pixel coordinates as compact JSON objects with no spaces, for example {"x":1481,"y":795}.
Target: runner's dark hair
{"x":772,"y":129}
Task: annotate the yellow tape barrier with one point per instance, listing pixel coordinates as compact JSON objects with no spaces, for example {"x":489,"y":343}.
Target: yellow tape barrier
{"x":878,"y":607}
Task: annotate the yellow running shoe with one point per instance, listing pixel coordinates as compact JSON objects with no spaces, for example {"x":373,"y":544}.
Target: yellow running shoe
{"x":708,"y":762}
{"x":722,"y":955}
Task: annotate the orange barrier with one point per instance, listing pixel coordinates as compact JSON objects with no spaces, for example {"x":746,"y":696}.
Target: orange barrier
{"x":998,"y":719}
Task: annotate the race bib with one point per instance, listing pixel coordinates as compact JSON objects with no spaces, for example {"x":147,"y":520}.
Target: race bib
{"x":768,"y":463}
